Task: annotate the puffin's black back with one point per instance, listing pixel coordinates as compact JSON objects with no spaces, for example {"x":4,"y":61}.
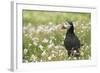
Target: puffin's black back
{"x":71,"y":40}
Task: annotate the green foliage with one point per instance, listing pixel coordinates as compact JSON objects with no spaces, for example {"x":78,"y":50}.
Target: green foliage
{"x":43,"y":17}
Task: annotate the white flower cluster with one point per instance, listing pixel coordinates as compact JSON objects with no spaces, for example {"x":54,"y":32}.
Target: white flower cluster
{"x":42,"y":28}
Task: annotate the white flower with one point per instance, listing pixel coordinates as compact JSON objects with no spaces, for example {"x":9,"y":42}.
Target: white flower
{"x":82,"y":54}
{"x":50,"y":41}
{"x":25,"y":28}
{"x":25,"y":51}
{"x":54,"y":51}
{"x":56,"y":47}
{"x":78,"y":32}
{"x":50,"y":29}
{"x":49,"y":58}
{"x":43,"y":53}
{"x":35,"y":43}
{"x":82,"y":24}
{"x":61,"y":53}
{"x":26,"y":34}
{"x":33,"y":57}
{"x":53,"y":55}
{"x":45,"y":41}
{"x":87,"y":46}
{"x":69,"y":58}
{"x":75,"y":58}
{"x":35,"y":39}
{"x":41,"y":60}
{"x":30,"y":44}
{"x":64,"y":36}
{"x":38,"y":31}
{"x":50,"y":45}
{"x":82,"y":31}
{"x":41,"y":47}
{"x":57,"y":26}
{"x":31,"y":29}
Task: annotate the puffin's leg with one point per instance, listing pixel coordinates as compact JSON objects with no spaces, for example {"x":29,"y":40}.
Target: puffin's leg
{"x":77,"y":54}
{"x":69,"y":53}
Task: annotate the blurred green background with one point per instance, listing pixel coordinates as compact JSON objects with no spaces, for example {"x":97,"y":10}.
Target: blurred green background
{"x":43,"y":39}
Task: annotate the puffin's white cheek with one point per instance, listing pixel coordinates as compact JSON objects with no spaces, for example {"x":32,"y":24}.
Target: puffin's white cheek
{"x":65,"y":25}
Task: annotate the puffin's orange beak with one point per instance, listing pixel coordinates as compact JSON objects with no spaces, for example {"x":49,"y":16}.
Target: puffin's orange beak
{"x":63,"y":27}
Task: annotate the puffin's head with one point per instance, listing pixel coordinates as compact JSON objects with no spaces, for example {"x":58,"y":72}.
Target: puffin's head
{"x":67,"y":25}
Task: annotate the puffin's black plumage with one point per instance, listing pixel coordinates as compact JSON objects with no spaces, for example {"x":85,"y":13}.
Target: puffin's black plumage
{"x":71,"y":42}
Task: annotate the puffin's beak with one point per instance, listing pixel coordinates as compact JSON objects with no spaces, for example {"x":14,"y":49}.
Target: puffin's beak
{"x":63,"y":27}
